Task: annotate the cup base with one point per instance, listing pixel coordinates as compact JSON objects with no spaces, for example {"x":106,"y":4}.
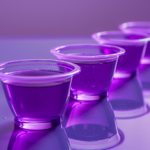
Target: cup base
{"x":131,"y":113}
{"x":121,"y":75}
{"x":85,"y":97}
{"x":38,"y":125}
{"x":145,"y":61}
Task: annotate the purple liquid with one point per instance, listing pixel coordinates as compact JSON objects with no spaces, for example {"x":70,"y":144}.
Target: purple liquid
{"x":94,"y":78}
{"x":131,"y":59}
{"x":36,"y":103}
{"x":142,"y":29}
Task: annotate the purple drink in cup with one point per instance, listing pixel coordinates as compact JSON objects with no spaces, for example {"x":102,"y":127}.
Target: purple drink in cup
{"x":37,"y":90}
{"x":97,"y":63}
{"x":133,"y":43}
{"x":139,"y":27}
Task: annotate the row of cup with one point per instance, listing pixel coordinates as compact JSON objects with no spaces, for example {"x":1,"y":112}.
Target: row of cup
{"x":37,"y":90}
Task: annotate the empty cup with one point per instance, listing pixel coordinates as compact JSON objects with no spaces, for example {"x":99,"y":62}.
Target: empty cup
{"x":97,"y":63}
{"x":37,"y":90}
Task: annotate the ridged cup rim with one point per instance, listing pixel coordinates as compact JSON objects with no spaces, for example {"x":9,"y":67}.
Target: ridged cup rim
{"x":57,"y":52}
{"x":37,"y":79}
{"x":98,"y":37}
{"x":140,"y":24}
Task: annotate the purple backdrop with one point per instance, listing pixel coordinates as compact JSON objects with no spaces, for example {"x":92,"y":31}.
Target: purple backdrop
{"x":67,"y":17}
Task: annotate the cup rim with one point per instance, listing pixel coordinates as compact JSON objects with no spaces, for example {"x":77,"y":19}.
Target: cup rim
{"x":82,"y":58}
{"x":38,"y":79}
{"x":98,"y":38}
{"x":125,"y":25}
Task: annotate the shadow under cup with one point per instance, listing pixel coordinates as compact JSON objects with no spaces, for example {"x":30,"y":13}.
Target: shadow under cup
{"x":97,"y":63}
{"x":37,"y":90}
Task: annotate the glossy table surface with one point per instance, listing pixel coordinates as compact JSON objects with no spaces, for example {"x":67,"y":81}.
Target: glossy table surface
{"x":136,"y":130}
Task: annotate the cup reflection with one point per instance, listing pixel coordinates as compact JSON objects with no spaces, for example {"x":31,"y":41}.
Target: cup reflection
{"x":91,"y":124}
{"x":144,"y":70}
{"x":54,"y":139}
{"x":126,"y":97}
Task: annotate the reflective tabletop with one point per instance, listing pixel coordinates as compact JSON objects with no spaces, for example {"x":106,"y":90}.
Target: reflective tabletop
{"x":90,"y":126}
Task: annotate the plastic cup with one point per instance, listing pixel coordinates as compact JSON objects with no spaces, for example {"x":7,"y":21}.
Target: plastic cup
{"x":37,"y":90}
{"x":144,"y":68}
{"x":139,"y":26}
{"x":134,"y":44}
{"x":124,"y":103}
{"x":97,"y":63}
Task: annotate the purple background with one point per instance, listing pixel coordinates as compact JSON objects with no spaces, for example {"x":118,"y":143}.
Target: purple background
{"x":68,"y":17}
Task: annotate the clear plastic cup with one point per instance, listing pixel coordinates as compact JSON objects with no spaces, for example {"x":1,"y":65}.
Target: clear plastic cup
{"x":139,"y":26}
{"x":144,"y":68}
{"x":134,"y":44}
{"x":97,"y":63}
{"x":37,"y":90}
